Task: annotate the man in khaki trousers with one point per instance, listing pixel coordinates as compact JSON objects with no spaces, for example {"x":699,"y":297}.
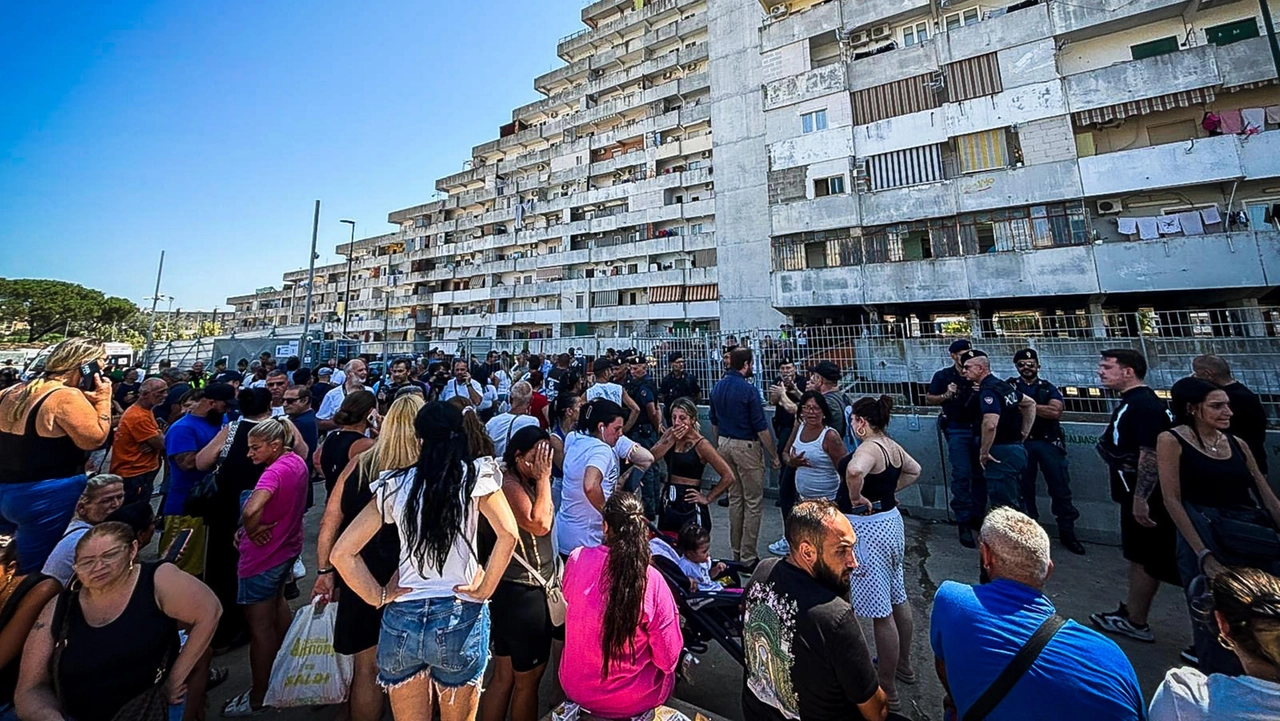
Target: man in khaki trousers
{"x":737,"y":417}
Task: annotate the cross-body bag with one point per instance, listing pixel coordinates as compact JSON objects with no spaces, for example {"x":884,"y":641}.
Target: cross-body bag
{"x":555,"y":594}
{"x":1017,"y":668}
{"x":200,"y":497}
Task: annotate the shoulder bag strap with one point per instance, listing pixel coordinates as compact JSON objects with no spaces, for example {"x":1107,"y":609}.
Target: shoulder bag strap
{"x":1018,"y":667}
{"x":537,"y":576}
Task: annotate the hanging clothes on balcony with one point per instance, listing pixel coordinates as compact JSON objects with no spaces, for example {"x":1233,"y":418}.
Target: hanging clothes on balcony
{"x":1148,"y":228}
{"x":1232,"y":122}
{"x":1127,"y":226}
{"x":1273,"y":114}
{"x":1254,"y":120}
{"x":1190,"y":222}
{"x":1169,"y":225}
{"x":1210,"y":215}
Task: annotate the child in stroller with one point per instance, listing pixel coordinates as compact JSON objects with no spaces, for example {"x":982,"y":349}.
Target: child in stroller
{"x":694,"y":546}
{"x":714,"y":614}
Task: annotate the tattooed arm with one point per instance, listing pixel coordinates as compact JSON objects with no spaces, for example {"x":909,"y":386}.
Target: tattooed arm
{"x":1148,"y":477}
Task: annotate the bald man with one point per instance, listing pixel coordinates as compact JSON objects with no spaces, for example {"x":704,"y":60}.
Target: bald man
{"x":139,"y":444}
{"x":356,"y":372}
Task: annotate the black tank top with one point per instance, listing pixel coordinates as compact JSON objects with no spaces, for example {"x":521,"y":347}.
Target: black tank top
{"x":686,"y":464}
{"x":30,"y":457}
{"x":103,"y":668}
{"x":1214,"y":482}
{"x":237,"y":475}
{"x":335,"y":454}
{"x":9,"y":674}
{"x":882,"y":486}
{"x":382,"y":554}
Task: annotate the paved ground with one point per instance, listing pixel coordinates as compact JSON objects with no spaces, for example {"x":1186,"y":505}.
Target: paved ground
{"x":1079,"y":586}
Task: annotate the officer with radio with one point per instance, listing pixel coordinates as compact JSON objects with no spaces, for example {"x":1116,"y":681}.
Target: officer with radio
{"x":1046,"y":449}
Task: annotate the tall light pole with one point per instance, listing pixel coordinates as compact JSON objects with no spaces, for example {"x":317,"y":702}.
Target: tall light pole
{"x":346,"y":294}
{"x":304,"y":350}
{"x":151,"y":327}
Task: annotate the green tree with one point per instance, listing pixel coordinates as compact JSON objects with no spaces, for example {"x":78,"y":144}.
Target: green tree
{"x":56,"y":306}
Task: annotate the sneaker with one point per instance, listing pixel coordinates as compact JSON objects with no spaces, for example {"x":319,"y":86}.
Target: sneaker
{"x":966,"y":536}
{"x":1118,"y":622}
{"x":780,"y":547}
{"x":299,"y":570}
{"x":1189,"y":655}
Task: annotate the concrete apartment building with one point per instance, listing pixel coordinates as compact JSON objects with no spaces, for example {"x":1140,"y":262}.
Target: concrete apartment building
{"x":930,"y":159}
{"x":905,"y":162}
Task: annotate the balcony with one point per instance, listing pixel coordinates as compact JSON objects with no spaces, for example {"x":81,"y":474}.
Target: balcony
{"x":1205,"y":160}
{"x":1010,"y":30}
{"x":587,"y":36}
{"x":802,"y":24}
{"x":1189,"y":69}
{"x":817,"y":147}
{"x":806,"y":86}
{"x":1079,"y":21}
{"x":832,"y":211}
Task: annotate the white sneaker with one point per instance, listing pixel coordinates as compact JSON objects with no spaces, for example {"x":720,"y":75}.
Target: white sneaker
{"x":299,"y":570}
{"x":780,"y":547}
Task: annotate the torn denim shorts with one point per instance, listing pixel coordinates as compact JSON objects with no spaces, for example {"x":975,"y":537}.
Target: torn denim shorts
{"x":445,"y":637}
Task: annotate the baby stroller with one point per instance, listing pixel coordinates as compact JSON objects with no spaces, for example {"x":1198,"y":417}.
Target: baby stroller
{"x":708,"y":615}
{"x":674,"y":511}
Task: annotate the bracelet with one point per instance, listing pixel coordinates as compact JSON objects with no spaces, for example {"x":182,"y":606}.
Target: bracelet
{"x":322,"y":571}
{"x":1201,"y":556}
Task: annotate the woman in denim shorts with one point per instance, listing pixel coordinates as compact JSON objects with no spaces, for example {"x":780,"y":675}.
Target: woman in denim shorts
{"x":435,"y":621}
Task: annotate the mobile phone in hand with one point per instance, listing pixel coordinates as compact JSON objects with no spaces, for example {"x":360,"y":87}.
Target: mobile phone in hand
{"x":89,"y":373}
{"x":178,"y":545}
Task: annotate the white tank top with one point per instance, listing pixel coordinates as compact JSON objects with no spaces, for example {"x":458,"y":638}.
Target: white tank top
{"x":819,"y":479}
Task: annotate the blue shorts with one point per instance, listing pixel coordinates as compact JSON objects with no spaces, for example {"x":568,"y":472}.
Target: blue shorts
{"x":265,"y":586}
{"x":445,"y":637}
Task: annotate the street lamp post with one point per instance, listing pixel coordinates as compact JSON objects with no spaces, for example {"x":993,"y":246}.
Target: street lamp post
{"x":346,"y":294}
{"x":304,"y":344}
{"x":151,"y":327}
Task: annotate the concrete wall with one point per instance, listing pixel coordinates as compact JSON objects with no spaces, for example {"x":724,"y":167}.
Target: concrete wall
{"x":741,"y":157}
{"x":1047,"y":141}
{"x":1149,"y":77}
{"x":1206,"y":160}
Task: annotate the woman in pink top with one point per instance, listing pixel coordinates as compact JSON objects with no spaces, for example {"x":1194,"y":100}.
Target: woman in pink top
{"x":269,"y":544}
{"x":622,"y":629}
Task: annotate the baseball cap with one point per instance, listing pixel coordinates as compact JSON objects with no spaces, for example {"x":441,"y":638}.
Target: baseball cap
{"x":601,"y":365}
{"x":220,"y":392}
{"x":325,"y":371}
{"x":674,"y":356}
{"x":1025,"y":354}
{"x":959,"y":346}
{"x":827,"y":369}
{"x":229,"y":377}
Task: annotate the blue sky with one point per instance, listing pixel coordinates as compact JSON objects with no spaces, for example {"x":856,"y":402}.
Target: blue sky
{"x":208,"y":129}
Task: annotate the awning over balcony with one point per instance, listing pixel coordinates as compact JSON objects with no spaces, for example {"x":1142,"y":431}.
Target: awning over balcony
{"x":1184,"y":99}
{"x":695,"y":293}
{"x":666,"y":294}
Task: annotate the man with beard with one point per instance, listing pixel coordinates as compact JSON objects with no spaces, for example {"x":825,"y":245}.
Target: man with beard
{"x":399,"y":377}
{"x":806,"y":656}
{"x":187,"y":436}
{"x":1046,"y":449}
{"x":737,"y":418}
{"x":277,"y":384}
{"x":355,"y":373}
{"x":1002,"y":651}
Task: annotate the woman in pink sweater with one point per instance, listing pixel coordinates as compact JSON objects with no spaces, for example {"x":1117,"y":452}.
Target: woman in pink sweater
{"x":622,"y":629}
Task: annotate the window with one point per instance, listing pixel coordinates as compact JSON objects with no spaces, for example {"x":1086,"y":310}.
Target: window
{"x":915,"y":34}
{"x":1232,"y":32}
{"x":982,"y":151}
{"x":828,"y":186}
{"x":1151,"y":49}
{"x":695,"y":229}
{"x":965,"y":17}
{"x":813,"y":122}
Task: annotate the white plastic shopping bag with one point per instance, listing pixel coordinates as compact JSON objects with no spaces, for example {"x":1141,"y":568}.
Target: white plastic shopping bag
{"x":307,"y":671}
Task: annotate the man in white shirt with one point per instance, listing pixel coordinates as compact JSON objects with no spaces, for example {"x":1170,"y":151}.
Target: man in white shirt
{"x":462,"y":384}
{"x":604,"y":387}
{"x":339,"y":377}
{"x":355,"y":375}
{"x":501,"y":427}
{"x":277,"y":382}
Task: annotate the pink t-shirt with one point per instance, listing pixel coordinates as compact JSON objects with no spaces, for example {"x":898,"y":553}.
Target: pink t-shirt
{"x":286,"y":479}
{"x":634,"y":684}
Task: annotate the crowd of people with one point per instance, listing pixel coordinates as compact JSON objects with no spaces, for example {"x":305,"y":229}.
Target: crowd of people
{"x":489,"y":524}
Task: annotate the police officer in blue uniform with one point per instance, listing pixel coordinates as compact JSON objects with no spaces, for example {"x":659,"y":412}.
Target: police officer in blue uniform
{"x":1046,"y":449}
{"x":1004,"y":420}
{"x":954,"y":393}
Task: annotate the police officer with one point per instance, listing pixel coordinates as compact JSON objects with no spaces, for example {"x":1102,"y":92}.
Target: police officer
{"x":646,"y":430}
{"x":1046,"y":449}
{"x":677,"y":384}
{"x":1004,"y":419}
{"x":949,"y":389}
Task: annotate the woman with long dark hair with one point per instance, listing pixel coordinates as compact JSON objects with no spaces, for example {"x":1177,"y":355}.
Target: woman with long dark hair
{"x":522,"y":626}
{"x":356,"y":629}
{"x":435,"y":622}
{"x":354,"y":419}
{"x":814,"y":449}
{"x":873,"y":474}
{"x":1207,"y":476}
{"x":622,"y":629}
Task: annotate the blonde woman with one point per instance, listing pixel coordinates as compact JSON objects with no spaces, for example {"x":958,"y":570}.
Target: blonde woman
{"x":356,"y":630}
{"x":46,"y":426}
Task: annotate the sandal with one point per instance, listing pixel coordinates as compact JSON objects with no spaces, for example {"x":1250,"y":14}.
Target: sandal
{"x":240,"y":707}
{"x":907,"y":677}
{"x":217,"y":676}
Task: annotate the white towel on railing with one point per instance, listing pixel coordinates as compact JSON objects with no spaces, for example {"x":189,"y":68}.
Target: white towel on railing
{"x":1127,"y":226}
{"x":1168,"y":224}
{"x":1210,"y":215}
{"x":1148,"y":228}
{"x":1190,"y":221}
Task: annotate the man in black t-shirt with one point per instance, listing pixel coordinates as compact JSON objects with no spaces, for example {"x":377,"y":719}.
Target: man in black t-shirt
{"x":1004,"y":420}
{"x":806,"y":656}
{"x":1148,"y":538}
{"x":677,"y":384}
{"x":954,"y":394}
{"x":1248,"y":416}
{"x":646,"y":430}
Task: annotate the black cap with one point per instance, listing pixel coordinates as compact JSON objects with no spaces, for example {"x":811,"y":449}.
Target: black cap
{"x":674,"y":356}
{"x":959,"y":346}
{"x":601,"y":365}
{"x":971,"y":354}
{"x":785,"y":361}
{"x":220,"y":392}
{"x":638,"y":359}
{"x":827,"y":370}
{"x":1025,"y":354}
{"x":229,"y":377}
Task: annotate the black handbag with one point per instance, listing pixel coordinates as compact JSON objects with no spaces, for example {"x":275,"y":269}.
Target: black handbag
{"x":1246,"y":534}
{"x":199,"y":501}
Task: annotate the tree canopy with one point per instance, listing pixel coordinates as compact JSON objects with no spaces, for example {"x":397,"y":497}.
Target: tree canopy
{"x":49,"y":306}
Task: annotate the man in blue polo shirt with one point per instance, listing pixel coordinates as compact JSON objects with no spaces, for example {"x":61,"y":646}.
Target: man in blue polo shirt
{"x":737,"y":417}
{"x":975,"y":631}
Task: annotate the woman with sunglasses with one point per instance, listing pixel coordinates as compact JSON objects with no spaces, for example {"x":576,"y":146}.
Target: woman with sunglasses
{"x":116,"y":635}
